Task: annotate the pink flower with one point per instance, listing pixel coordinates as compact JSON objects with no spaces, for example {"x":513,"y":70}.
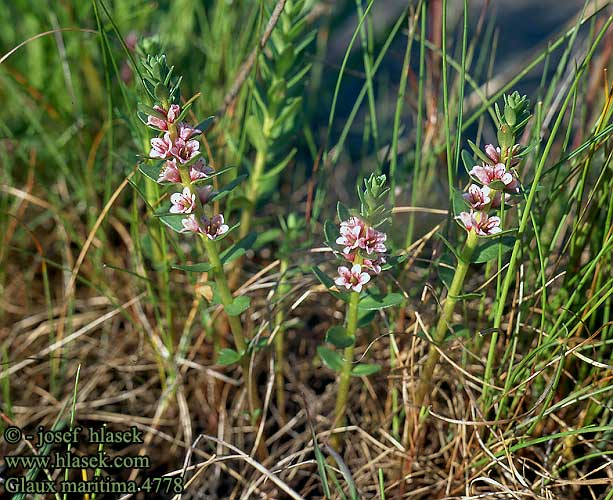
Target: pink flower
{"x":478,"y":197}
{"x":353,"y":278}
{"x":190,"y":224}
{"x":351,"y":231}
{"x":373,"y":241}
{"x":161,"y":146}
{"x":214,"y":227}
{"x":200,"y":170}
{"x":494,"y":154}
{"x":170,"y":171}
{"x":170,"y":116}
{"x":205,"y":193}
{"x":183,"y":203}
{"x":186,"y":132}
{"x":373,"y":265}
{"x":486,"y":174}
{"x":183,"y":150}
{"x":480,"y":223}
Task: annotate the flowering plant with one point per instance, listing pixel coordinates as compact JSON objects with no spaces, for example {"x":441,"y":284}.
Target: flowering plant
{"x":361,"y":245}
{"x":176,"y":160}
{"x":495,"y":182}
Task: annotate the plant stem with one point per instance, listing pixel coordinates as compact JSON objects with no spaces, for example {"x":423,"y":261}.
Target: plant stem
{"x":445,"y":319}
{"x":345,"y":376}
{"x":223,"y":290}
{"x":247,"y":215}
{"x":252,"y":192}
{"x":439,"y":336}
{"x":225,"y":295}
{"x":279,"y":344}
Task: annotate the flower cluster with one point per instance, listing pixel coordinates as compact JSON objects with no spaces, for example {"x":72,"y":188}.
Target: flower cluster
{"x":211,"y":228}
{"x":180,"y":149}
{"x":496,"y":180}
{"x":364,"y":246}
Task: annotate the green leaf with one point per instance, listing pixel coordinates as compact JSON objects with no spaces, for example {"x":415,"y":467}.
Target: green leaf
{"x":204,"y":125}
{"x":467,"y":160}
{"x":449,"y":245}
{"x":321,"y":466}
{"x":468,"y":296}
{"x":279,"y":167}
{"x":151,"y":171}
{"x":539,"y":187}
{"x":364,"y":370}
{"x":186,"y":107}
{"x":323,"y":277}
{"x":255,"y":134}
{"x":393,"y":261}
{"x":480,"y":154}
{"x":228,"y":188}
{"x":373,"y":303}
{"x":339,"y":337}
{"x":459,"y":330}
{"x":284,"y":60}
{"x":202,"y":267}
{"x":267,"y":236}
{"x":238,"y":202}
{"x":148,"y":110}
{"x":239,"y":305}
{"x":286,"y":120}
{"x":330,"y":233}
{"x":489,"y":249}
{"x":173,"y":222}
{"x":330,"y":358}
{"x":458,"y":202}
{"x":239,"y":249}
{"x":342,"y":211}
{"x":365,"y":317}
{"x":228,"y":357}
{"x":497,"y":185}
{"x":211,"y":176}
{"x":346,"y":472}
{"x":329,"y":283}
{"x":228,"y":232}
{"x":259,"y":343}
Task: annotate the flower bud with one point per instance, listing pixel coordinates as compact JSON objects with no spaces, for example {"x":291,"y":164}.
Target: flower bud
{"x":516,"y":109}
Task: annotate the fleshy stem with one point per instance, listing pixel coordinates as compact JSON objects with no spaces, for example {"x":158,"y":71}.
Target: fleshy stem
{"x":439,"y":335}
{"x":442,"y":326}
{"x":345,"y":377}
{"x":223,"y":290}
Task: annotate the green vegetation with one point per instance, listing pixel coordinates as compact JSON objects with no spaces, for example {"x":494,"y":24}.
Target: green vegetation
{"x":341,"y":288}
